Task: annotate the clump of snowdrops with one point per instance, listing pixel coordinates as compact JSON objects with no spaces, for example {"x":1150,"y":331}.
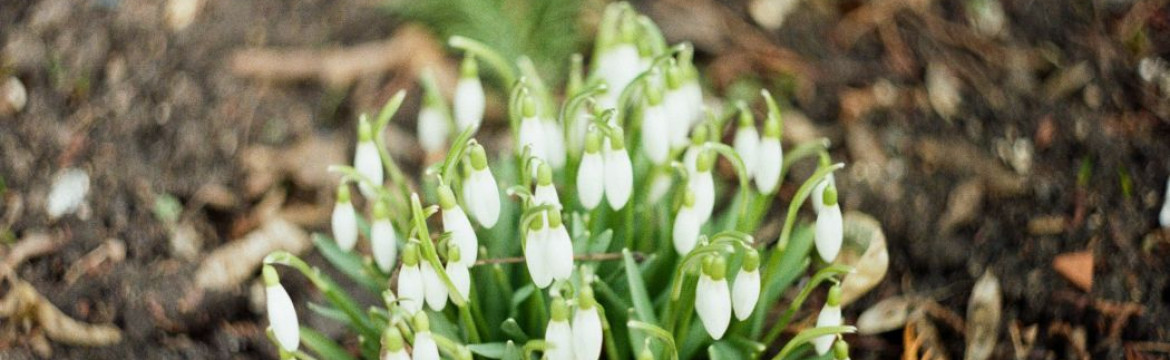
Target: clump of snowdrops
{"x":606,"y":231}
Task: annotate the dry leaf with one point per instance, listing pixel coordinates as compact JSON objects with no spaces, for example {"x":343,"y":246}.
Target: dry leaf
{"x":864,"y":250}
{"x":983,"y":315}
{"x":231,"y":264}
{"x":887,"y":315}
{"x":1077,"y":267}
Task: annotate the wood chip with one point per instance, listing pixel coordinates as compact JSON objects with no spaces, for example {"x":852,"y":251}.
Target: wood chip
{"x":32,"y":245}
{"x":983,"y":317}
{"x":1077,"y":267}
{"x":231,"y":264}
{"x":963,"y":206}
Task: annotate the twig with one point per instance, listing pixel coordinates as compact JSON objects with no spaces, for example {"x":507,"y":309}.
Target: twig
{"x":587,"y":257}
{"x":31,"y":246}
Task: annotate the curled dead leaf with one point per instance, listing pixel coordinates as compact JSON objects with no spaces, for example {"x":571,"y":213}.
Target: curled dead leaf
{"x":864,"y":250}
{"x":983,"y":316}
{"x":231,"y":264}
{"x":887,"y":315}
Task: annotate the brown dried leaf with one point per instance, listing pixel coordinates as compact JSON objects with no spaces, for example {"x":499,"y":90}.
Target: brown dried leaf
{"x":887,"y":315}
{"x":1077,"y":267}
{"x":864,"y":250}
{"x":231,"y":264}
{"x":964,"y":204}
{"x":983,"y":316}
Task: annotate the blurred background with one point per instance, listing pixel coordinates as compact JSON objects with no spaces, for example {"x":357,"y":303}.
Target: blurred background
{"x":152,"y":151}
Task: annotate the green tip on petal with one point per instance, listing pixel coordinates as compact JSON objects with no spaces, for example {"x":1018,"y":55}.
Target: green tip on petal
{"x":745,"y":115}
{"x":392,"y":339}
{"x":270,"y":277}
{"x":544,"y":174}
{"x":653,"y":92}
{"x":773,"y":126}
{"x":365,"y":132}
{"x":840,"y":349}
{"x":674,"y":76}
{"x":453,"y":254}
{"x":421,"y":322}
{"x":830,"y":197}
{"x":715,"y":267}
{"x":688,"y":197}
{"x":478,"y":157}
{"x":410,"y":254}
{"x":468,"y":68}
{"x":585,"y":300}
{"x":646,"y":354}
{"x":446,"y":197}
{"x":343,"y":193}
{"x":536,"y":225}
{"x":699,"y":135}
{"x":617,"y":140}
{"x":592,"y":141}
{"x":751,"y":260}
{"x":629,"y":27}
{"x":559,"y":310}
{"x":528,"y":106}
{"x":834,"y":295}
{"x":381,"y":210}
{"x":705,"y":161}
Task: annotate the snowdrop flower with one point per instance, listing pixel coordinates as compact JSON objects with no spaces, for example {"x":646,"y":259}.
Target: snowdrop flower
{"x":554,"y":143}
{"x":558,"y":248}
{"x":469,"y":97}
{"x":433,"y":125}
{"x":770,"y":156}
{"x":619,"y":173}
{"x":698,"y":140}
{"x":535,"y":251}
{"x":345,"y":228}
{"x":713,"y":298}
{"x":546,"y":193}
{"x":830,"y":316}
{"x":703,"y":185}
{"x":383,"y":239}
{"x":659,"y":187}
{"x":747,"y":139}
{"x":686,"y":224}
{"x":586,"y":326}
{"x":819,"y":191}
{"x":655,"y":126}
{"x":675,"y":102}
{"x":455,"y":222}
{"x":531,"y":130}
{"x":829,"y":230}
{"x":484,"y":201}
{"x":393,"y":347}
{"x":366,"y":159}
{"x":589,"y":190}
{"x":691,"y":90}
{"x":411,"y":286}
{"x":841,"y":350}
{"x":434,"y":289}
{"x":282,"y":316}
{"x":1164,"y":217}
{"x":746,"y":291}
{"x":558,"y":335}
{"x":619,"y":62}
{"x":424,"y":342}
{"x":457,"y":272}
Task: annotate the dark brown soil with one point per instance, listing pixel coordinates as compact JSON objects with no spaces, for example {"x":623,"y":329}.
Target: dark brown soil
{"x":149,"y":112}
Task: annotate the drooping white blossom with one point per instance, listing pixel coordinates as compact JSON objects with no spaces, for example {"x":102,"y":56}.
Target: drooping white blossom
{"x":483,"y":188}
{"x":383,"y":238}
{"x":411,"y":286}
{"x":434,"y":289}
{"x":830,"y":228}
{"x":532,"y":134}
{"x":393,"y":346}
{"x":554,"y":144}
{"x":344,"y":220}
{"x":282,"y":315}
{"x":469,"y":96}
{"x":558,"y":248}
{"x":455,"y":222}
{"x":619,"y":173}
{"x":558,"y":335}
{"x":535,"y":251}
{"x":457,"y":272}
{"x":747,"y":140}
{"x":770,"y":158}
{"x":433,"y":127}
{"x":587,"y":334}
{"x":655,"y":126}
{"x":713,"y":297}
{"x":745,"y":293}
{"x":819,"y":192}
{"x":366,"y":159}
{"x":830,"y":315}
{"x":589,"y":189}
{"x":702,"y":184}
{"x":425,"y":347}
{"x":686,"y":225}
{"x":546,"y":192}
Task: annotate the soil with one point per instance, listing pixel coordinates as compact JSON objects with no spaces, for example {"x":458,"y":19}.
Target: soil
{"x":1055,"y":146}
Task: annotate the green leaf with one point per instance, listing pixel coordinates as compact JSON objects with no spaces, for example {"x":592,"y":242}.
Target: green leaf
{"x":511,"y":328}
{"x":330,"y":313}
{"x":809,"y":334}
{"x":348,"y":263}
{"x":511,"y":352}
{"x":642,"y":305}
{"x":324,"y":347}
{"x":600,"y":242}
{"x":522,"y":294}
{"x":494,"y":350}
{"x":722,"y":350}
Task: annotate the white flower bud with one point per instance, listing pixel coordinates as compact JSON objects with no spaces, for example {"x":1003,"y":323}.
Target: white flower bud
{"x":679,"y":113}
{"x":587,"y":334}
{"x":819,"y":192}
{"x":1164,"y":216}
{"x":713,"y":298}
{"x":659,"y":187}
{"x":686,"y":225}
{"x":558,"y":335}
{"x":411,"y":288}
{"x":425,"y":347}
{"x":383,"y":239}
{"x":830,"y":316}
{"x":546,"y":193}
{"x":469,"y":97}
{"x":745,"y":293}
{"x":393,"y":347}
{"x":483,"y":188}
{"x":460,"y":277}
{"x":282,"y":316}
{"x":345,"y":227}
{"x":618,"y":67}
{"x":656,"y":134}
{"x":536,"y":254}
{"x":455,"y":222}
{"x":532,"y":135}
{"x":704,"y":187}
{"x":747,"y":141}
{"x":368,"y":163}
{"x":433,"y":129}
{"x":592,"y":168}
{"x":554,"y":144}
{"x":830,"y":229}
{"x":768,"y":164}
{"x":619,"y":175}
{"x":434,"y":289}
{"x":559,"y":249}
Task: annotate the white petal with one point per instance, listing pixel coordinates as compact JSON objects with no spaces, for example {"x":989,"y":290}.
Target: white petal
{"x":425,"y":347}
{"x":532,"y":134}
{"x":546,"y":195}
{"x":829,"y":233}
{"x":411,"y":294}
{"x":345,"y":228}
{"x":747,"y":145}
{"x":818,"y":193}
{"x":282,"y":316}
{"x":397,"y":355}
{"x":384,"y":242}
{"x":560,"y":253}
{"x":535,"y":256}
{"x":586,"y":334}
{"x":368,"y":163}
{"x":580,"y":128}
{"x":690,"y":157}
{"x":694,"y":98}
{"x":655,"y":134}
{"x":469,"y":103}
{"x":559,"y":337}
{"x":619,"y":178}
{"x":675,"y":102}
{"x":745,"y":293}
{"x":767,"y":173}
{"x":434,"y":290}
{"x":1164,"y":217}
{"x":659,"y":187}
{"x":589,"y":188}
{"x":617,"y":67}
{"x":703,"y":186}
{"x":460,"y":277}
{"x":829,"y":316}
{"x":487,"y":198}
{"x":462,"y":234}
{"x":433,"y":129}
{"x":554,"y":144}
{"x":686,"y":230}
{"x":713,"y":303}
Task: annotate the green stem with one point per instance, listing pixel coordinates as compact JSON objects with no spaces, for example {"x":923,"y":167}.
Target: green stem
{"x":429,"y":252}
{"x":818,"y":278}
{"x":491,"y":56}
{"x":657,"y":333}
{"x":802,"y":194}
{"x":810,"y":334}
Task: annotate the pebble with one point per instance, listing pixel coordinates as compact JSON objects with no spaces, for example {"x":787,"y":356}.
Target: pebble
{"x":13,"y":96}
{"x":68,"y":193}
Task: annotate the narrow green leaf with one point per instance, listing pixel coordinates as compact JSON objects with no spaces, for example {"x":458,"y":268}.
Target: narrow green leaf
{"x":494,"y":350}
{"x":642,"y":305}
{"x":511,"y":328}
{"x":324,"y":347}
{"x":348,"y":263}
{"x":330,"y":313}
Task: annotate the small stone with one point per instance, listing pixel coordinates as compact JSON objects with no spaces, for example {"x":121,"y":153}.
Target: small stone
{"x":181,"y":13}
{"x":68,"y":192}
{"x":13,"y":96}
